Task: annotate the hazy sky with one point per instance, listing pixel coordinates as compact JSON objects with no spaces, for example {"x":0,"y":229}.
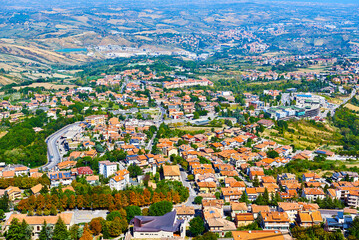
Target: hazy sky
{"x":145,"y":3}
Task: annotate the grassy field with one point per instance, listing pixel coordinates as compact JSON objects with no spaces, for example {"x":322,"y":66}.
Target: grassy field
{"x":306,"y":135}
{"x":351,"y":107}
{"x":3,"y":134}
{"x":47,"y":86}
{"x":271,"y":82}
{"x":313,"y":69}
{"x":192,"y":129}
{"x":336,"y":100}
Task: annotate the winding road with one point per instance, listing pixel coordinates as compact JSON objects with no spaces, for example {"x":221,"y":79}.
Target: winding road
{"x":53,"y":153}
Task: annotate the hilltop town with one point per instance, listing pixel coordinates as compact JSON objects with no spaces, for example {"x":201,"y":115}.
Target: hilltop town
{"x":142,"y":154}
{"x":203,"y":120}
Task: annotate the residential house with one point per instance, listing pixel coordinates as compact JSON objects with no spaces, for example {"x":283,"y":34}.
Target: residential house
{"x":306,"y":177}
{"x":107,"y":168}
{"x":340,"y":176}
{"x":185,"y":212}
{"x":60,"y":177}
{"x":171,"y":172}
{"x":313,"y":194}
{"x":274,"y":221}
{"x":92,"y":180}
{"x":291,"y":208}
{"x":243,"y":219}
{"x":120,"y":180}
{"x":207,"y":187}
{"x":238,"y":207}
{"x":13,"y":193}
{"x":231,"y":194}
{"x":256,"y":209}
{"x":309,"y":218}
{"x":340,"y":221}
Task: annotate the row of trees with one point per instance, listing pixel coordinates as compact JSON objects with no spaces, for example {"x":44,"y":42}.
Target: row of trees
{"x":116,"y":223}
{"x":24,"y":182}
{"x":315,"y":232}
{"x":51,"y":203}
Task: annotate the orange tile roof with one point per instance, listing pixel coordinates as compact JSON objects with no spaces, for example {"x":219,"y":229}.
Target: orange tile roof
{"x":313,"y":191}
{"x":20,"y":169}
{"x":275,"y":217}
{"x":239,"y":184}
{"x":37,"y":188}
{"x":257,"y":234}
{"x":66,"y":164}
{"x":244,"y":217}
{"x":171,"y":170}
{"x":288,"y":206}
{"x":206,"y":184}
{"x":238,"y":206}
{"x":228,"y":191}
{"x":260,"y":208}
{"x":8,"y":174}
{"x":39,"y":220}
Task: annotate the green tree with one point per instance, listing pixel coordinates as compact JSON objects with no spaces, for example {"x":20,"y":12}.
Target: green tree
{"x":60,"y":230}
{"x":15,"y":231}
{"x":160,"y":208}
{"x":207,"y":236}
{"x":26,"y":230}
{"x":244,"y":198}
{"x":53,"y":211}
{"x":266,"y":196}
{"x":46,"y":232}
{"x":5,"y":202}
{"x":196,"y":226}
{"x":272,"y":154}
{"x":218,"y":195}
{"x":2,"y":215}
{"x":44,"y":190}
{"x":198,"y":200}
{"x":115,"y":228}
{"x":134,"y":171}
{"x":255,"y":181}
{"x":132,"y":211}
{"x":112,"y":215}
{"x":105,"y":231}
{"x":196,"y":115}
{"x":190,"y":177}
{"x":354,"y":228}
{"x":75,"y":232}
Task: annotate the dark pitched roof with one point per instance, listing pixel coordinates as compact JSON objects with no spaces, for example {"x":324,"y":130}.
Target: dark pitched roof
{"x":166,"y":223}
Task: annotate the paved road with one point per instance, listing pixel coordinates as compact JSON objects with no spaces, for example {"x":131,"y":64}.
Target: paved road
{"x":150,"y":143}
{"x":345,"y":100}
{"x":192,"y":192}
{"x":85,"y":216}
{"x":124,"y":84}
{"x":53,"y":153}
{"x":248,"y":184}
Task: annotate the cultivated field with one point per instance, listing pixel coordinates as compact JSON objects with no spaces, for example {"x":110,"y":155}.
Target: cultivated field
{"x":351,"y":107}
{"x":47,"y":86}
{"x":305,"y":135}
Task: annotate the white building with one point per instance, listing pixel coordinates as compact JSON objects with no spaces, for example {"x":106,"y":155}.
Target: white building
{"x":121,"y":180}
{"x":313,"y":194}
{"x":107,"y":168}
